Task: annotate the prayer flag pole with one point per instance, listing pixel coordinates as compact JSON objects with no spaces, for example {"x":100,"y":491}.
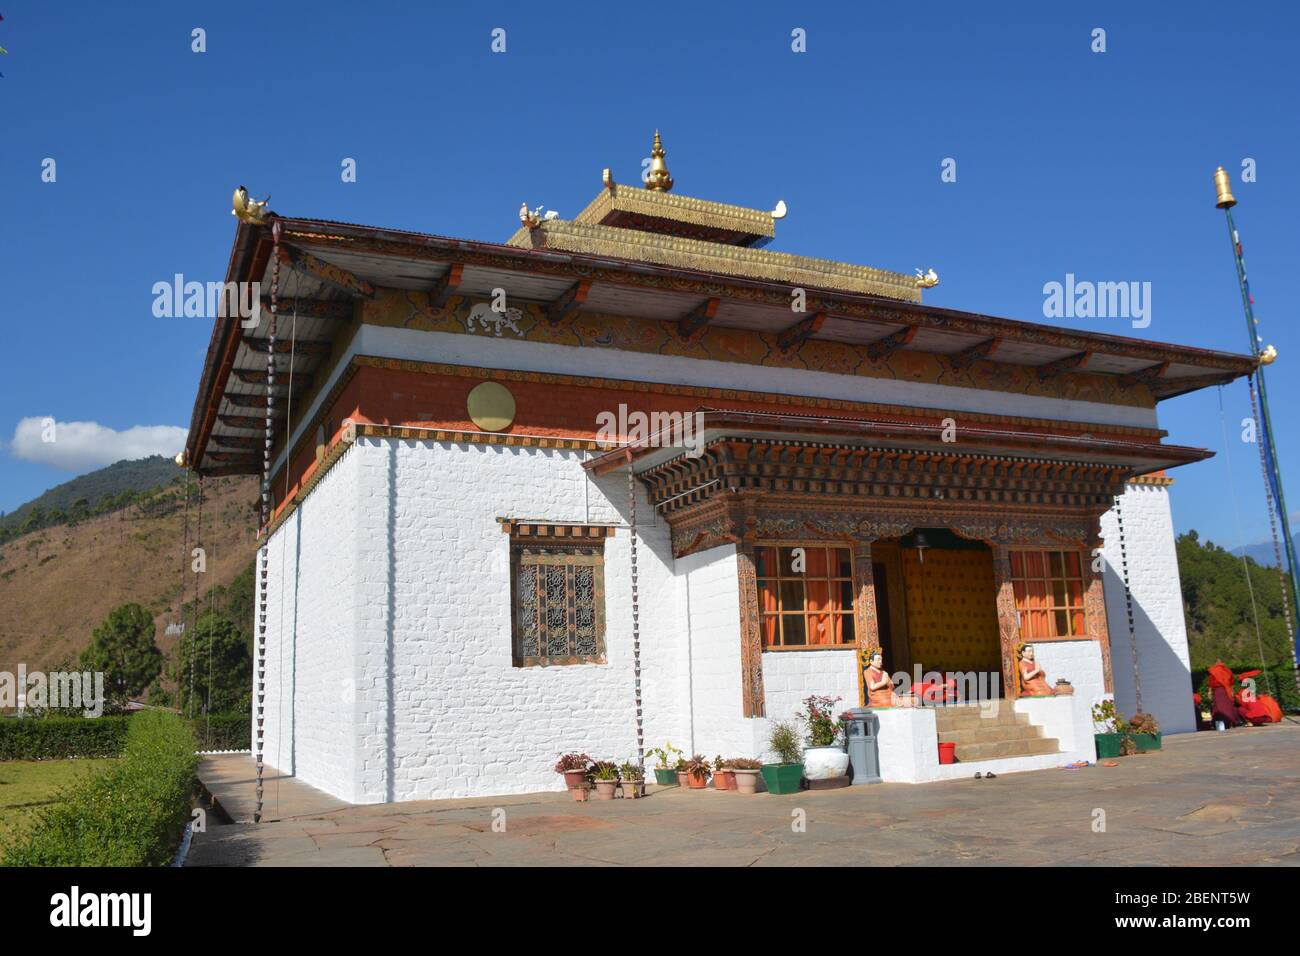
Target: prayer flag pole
{"x":1267,"y":448}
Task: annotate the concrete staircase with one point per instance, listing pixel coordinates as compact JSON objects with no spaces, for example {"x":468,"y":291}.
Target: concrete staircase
{"x":1002,"y":734}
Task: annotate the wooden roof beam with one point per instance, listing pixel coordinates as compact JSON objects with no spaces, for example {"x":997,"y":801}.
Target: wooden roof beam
{"x":250,"y":422}
{"x":1069,"y":363}
{"x":1145,"y":376}
{"x":968,"y":357}
{"x":800,"y":332}
{"x":447,"y":285}
{"x":697,"y":318}
{"x":250,"y":401}
{"x":230,"y":458}
{"x":883,"y":348}
{"x":302,"y":347}
{"x":257,"y":376}
{"x":312,"y":308}
{"x":568,"y":303}
{"x":332,"y":275}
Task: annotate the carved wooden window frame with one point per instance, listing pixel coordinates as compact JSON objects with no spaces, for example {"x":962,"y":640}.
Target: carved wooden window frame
{"x":1019,"y":582}
{"x":846,"y":613}
{"x":547,"y":633}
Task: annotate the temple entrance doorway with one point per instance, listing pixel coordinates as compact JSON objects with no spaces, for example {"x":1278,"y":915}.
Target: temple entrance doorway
{"x":951,"y":612}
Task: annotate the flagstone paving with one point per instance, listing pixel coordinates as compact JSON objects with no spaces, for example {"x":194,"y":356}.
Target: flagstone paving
{"x":1206,"y":799}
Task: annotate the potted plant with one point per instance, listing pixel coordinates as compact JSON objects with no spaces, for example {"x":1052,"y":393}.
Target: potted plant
{"x":724,"y":778}
{"x":786,"y":774}
{"x":605,"y":774}
{"x":825,"y":757}
{"x":666,"y":757}
{"x":746,"y":770}
{"x":1144,"y":731}
{"x":679,"y":768}
{"x":574,"y":767}
{"x":1110,"y":729}
{"x":633,"y":778}
{"x":697,"y":772}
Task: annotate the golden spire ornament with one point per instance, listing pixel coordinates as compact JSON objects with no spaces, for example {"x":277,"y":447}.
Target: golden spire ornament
{"x":658,"y":178}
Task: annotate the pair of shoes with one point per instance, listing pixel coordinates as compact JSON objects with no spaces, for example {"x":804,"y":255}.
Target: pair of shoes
{"x":987,"y":776}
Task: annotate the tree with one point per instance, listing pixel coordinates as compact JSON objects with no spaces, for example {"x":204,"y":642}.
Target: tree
{"x":217,"y":648}
{"x":123,"y":649}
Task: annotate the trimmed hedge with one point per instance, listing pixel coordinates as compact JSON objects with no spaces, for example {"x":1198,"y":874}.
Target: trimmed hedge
{"x":52,"y":738}
{"x":132,"y":814}
{"x":224,"y":732}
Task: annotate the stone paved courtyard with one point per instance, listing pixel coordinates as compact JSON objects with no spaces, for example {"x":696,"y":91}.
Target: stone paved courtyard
{"x":1206,"y":799}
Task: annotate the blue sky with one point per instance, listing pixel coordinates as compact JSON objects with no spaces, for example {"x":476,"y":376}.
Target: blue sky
{"x":1068,"y":161}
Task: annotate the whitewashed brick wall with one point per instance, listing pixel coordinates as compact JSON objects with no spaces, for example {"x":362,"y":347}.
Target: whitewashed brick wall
{"x":405,"y":533}
{"x":1163,"y":659}
{"x":311,"y":623}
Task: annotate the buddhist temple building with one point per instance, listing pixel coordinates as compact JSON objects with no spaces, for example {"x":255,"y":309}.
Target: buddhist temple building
{"x":638,"y":476}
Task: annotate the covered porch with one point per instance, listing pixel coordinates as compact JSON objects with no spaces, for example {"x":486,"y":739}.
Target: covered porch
{"x":945,"y":547}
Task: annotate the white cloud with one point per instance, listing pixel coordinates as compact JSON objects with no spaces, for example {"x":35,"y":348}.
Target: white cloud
{"x":81,"y":446}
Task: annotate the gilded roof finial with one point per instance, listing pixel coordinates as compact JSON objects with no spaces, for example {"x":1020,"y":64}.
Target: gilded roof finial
{"x":658,"y":178}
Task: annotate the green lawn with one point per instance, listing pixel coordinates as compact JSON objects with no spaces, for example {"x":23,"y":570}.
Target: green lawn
{"x":27,"y":785}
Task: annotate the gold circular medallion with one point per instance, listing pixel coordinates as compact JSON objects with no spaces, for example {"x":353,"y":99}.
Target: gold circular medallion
{"x":491,"y":406}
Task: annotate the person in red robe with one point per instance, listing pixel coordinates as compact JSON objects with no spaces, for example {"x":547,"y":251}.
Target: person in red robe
{"x":1222,"y":706}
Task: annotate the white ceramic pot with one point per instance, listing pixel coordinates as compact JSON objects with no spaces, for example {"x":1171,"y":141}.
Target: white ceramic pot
{"x":823,"y":763}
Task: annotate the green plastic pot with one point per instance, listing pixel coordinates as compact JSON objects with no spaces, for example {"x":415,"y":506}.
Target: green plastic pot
{"x":782,"y":777}
{"x":1108,"y":745}
{"x":1146,"y":742}
{"x":665,"y":776}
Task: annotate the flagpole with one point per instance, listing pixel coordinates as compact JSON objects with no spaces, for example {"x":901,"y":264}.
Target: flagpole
{"x":1267,"y":446}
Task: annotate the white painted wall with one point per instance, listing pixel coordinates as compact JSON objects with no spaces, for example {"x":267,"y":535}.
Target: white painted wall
{"x":389,"y":673}
{"x":1079,"y":662}
{"x":312,"y":613}
{"x":1161,"y":630}
{"x":404,"y":585}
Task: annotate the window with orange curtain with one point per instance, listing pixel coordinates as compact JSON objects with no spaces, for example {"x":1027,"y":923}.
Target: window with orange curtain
{"x":1049,"y":593}
{"x":805,"y":595}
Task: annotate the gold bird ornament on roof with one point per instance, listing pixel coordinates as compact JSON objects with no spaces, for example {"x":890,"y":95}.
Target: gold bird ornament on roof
{"x":926,"y":280}
{"x":1267,"y":355}
{"x":248,"y":209}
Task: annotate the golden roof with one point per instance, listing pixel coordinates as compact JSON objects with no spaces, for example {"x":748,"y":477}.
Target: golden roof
{"x":654,"y":225}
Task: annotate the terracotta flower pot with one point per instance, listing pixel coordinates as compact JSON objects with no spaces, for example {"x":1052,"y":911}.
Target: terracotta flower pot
{"x":697,"y":779}
{"x":681,"y":778}
{"x":746,"y":781}
{"x":605,"y":789}
{"x":632,"y":789}
{"x":575,"y":778}
{"x":724,"y":780}
{"x":579,"y":794}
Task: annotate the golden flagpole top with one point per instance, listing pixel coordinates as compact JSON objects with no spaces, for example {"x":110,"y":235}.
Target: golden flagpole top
{"x":659,"y":180}
{"x":1223,"y":187}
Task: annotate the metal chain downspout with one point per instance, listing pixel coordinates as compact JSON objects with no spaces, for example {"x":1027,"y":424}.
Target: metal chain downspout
{"x":185,"y":563}
{"x":266,"y":518}
{"x":1128,"y":605}
{"x":636,"y":618}
{"x":194,"y":613}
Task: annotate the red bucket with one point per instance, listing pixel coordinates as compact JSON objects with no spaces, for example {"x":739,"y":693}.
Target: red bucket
{"x":947,"y":753}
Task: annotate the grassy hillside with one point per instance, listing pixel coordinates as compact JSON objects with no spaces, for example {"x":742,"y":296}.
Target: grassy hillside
{"x":58,"y":583}
{"x":99,"y":492}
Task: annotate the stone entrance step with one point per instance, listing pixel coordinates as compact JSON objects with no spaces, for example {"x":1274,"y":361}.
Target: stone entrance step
{"x":993,"y":734}
{"x":995,"y":750}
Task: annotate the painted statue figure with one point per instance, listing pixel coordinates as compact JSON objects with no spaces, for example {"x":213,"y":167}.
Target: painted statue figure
{"x":878,"y":686}
{"x":1033,"y":679}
